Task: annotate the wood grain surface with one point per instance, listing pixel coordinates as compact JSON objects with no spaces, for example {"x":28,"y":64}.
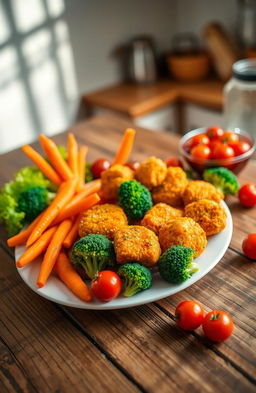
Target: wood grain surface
{"x":137,"y":100}
{"x":45,"y":347}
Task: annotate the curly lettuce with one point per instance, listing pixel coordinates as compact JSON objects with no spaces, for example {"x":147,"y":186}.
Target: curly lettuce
{"x":9,"y":214}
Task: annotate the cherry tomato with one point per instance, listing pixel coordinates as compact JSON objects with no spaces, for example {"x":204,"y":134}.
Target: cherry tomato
{"x":229,"y":137}
{"x":247,"y":195}
{"x":173,"y":161}
{"x":218,"y":325}
{"x":249,"y":246}
{"x":221,"y":151}
{"x":106,"y":286}
{"x":214,"y":132}
{"x":200,"y":152}
{"x":189,"y":315}
{"x":200,"y":139}
{"x":241,"y":148}
{"x":133,"y":165}
{"x":99,"y":166}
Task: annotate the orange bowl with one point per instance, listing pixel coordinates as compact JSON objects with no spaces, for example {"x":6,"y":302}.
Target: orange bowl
{"x":189,"y":68}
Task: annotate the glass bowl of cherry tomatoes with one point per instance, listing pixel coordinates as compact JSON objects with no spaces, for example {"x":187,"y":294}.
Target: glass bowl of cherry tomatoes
{"x":213,"y":147}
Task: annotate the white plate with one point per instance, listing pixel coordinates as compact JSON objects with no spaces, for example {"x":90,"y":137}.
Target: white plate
{"x":57,"y":292}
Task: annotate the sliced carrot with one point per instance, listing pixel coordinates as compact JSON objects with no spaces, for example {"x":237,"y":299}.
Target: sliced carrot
{"x":23,"y":236}
{"x":42,"y":164}
{"x":53,"y":251}
{"x":125,"y":147}
{"x":71,"y":278}
{"x":81,"y":167}
{"x":72,"y":154}
{"x":62,"y":198}
{"x":77,"y":208}
{"x":72,"y":235}
{"x":55,"y":157}
{"x":37,"y":248}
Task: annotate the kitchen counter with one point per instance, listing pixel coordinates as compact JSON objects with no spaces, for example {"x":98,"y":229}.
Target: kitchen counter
{"x":46,"y":347}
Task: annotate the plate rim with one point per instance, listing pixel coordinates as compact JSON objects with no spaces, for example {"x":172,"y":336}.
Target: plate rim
{"x":107,"y":305}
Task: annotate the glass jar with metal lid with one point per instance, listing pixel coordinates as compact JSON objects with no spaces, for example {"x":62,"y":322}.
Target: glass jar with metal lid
{"x":240,"y":97}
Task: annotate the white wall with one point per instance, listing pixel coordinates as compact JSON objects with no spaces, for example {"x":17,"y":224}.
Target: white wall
{"x":96,"y":27}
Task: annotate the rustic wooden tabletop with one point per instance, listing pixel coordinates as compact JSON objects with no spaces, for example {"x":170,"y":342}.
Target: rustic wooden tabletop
{"x":45,"y":347}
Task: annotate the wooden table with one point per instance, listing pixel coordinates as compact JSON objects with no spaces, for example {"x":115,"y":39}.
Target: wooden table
{"x":48,"y":348}
{"x":134,"y":100}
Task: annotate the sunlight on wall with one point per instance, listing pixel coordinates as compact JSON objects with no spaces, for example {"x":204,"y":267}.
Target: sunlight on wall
{"x":37,"y":76}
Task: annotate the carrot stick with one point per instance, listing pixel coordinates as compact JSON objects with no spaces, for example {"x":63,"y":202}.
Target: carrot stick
{"x":72,"y":154}
{"x":62,"y":198}
{"x":81,"y":167}
{"x":54,"y":156}
{"x":23,"y":236}
{"x":77,"y":208}
{"x":53,"y":251}
{"x":37,"y":248}
{"x":71,"y":278}
{"x":42,"y":164}
{"x":72,"y":235}
{"x":125,"y":147}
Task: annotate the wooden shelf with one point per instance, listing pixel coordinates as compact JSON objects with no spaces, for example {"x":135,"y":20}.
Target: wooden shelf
{"x":135,"y":100}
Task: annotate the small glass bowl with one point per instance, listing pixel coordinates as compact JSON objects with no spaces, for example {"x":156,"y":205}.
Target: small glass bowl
{"x":235,"y":164}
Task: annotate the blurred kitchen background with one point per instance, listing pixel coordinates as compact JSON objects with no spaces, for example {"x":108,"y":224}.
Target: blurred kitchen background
{"x":63,"y":60}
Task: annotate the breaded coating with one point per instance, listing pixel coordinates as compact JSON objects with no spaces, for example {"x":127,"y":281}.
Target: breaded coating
{"x":160,"y":215}
{"x":112,"y":178}
{"x":104,"y":219}
{"x":136,"y":244}
{"x":210,"y":215}
{"x":184,"y":231}
{"x":199,"y":189}
{"x":151,"y":172}
{"x":171,"y":190}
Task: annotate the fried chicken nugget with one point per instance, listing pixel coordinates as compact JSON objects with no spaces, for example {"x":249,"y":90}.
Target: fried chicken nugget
{"x":184,"y":231}
{"x":171,"y":190}
{"x":112,"y":178}
{"x":210,"y":215}
{"x":198,"y":189}
{"x":160,"y":215}
{"x":137,"y":244}
{"x":104,"y":219}
{"x":151,"y":172}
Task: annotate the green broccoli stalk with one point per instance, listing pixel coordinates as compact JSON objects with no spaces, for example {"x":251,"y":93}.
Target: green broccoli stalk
{"x":93,"y":252}
{"x":136,"y":277}
{"x":88,"y":172}
{"x":135,"y":199}
{"x":223,"y":179}
{"x":33,"y":201}
{"x":176,"y":264}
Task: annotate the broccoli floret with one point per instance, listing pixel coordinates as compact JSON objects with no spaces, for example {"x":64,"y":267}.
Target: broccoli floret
{"x":223,"y":179}
{"x":88,"y":172}
{"x":93,"y":252}
{"x":176,"y":264}
{"x":33,"y":201}
{"x":136,"y":277}
{"x":134,"y":198}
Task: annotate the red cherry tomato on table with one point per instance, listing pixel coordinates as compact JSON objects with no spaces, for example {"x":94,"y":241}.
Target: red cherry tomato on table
{"x":218,"y":325}
{"x":133,"y":165}
{"x":99,"y":166}
{"x":189,"y":315}
{"x":241,"y":148}
{"x":106,"y":286}
{"x":249,"y":246}
{"x":214,"y":132}
{"x":200,"y":152}
{"x":173,"y":161}
{"x":222,"y":151}
{"x":247,"y":195}
{"x":200,"y":139}
{"x":229,"y":137}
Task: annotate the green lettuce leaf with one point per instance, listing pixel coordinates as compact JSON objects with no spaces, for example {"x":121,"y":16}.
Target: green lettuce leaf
{"x":9,"y":214}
